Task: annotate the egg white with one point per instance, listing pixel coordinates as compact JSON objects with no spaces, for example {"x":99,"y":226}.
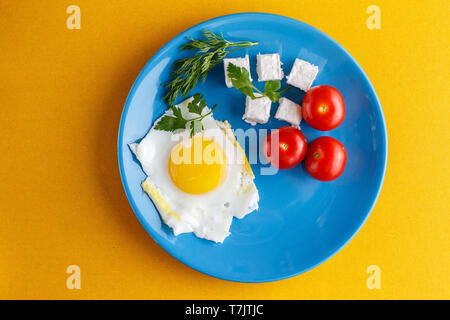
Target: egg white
{"x":207,"y":215}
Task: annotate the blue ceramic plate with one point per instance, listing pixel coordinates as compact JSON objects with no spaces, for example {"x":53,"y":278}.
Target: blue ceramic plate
{"x":301,"y":221}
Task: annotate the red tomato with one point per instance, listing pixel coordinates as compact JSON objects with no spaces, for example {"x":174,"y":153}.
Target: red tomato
{"x":285,"y":147}
{"x":323,"y":108}
{"x":326,"y":159}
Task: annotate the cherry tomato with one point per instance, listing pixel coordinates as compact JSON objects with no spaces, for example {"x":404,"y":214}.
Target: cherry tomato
{"x":285,"y":147}
{"x":326,"y":159}
{"x":323,"y":108}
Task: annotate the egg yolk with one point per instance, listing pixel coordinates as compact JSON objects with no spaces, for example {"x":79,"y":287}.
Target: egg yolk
{"x":198,"y":168}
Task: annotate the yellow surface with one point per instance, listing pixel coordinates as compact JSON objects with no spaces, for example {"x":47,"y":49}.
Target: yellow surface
{"x":61,"y":199}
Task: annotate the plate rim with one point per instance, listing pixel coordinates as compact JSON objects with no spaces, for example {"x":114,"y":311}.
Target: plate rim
{"x":150,"y":230}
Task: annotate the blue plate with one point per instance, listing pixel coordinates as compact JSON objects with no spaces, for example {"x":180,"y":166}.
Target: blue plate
{"x":301,"y":221}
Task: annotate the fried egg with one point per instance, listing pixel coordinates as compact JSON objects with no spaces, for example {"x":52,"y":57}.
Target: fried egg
{"x":198,"y":184}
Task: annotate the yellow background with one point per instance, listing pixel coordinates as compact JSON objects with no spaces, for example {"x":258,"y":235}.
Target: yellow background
{"x":61,"y":199}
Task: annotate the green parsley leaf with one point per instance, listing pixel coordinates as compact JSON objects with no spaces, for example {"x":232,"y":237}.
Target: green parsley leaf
{"x":177,"y":112}
{"x":248,"y":91}
{"x":273,"y":96}
{"x":270,"y":90}
{"x":169,"y":123}
{"x":272,"y":86}
{"x":196,"y":127}
{"x":177,"y":121}
{"x":197,"y":104}
{"x":240,"y":78}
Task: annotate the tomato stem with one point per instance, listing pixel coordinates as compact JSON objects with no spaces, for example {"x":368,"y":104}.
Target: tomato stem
{"x":323,"y":108}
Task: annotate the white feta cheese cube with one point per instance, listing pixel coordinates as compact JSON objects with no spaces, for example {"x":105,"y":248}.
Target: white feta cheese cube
{"x":257,"y":110}
{"x":239,"y":62}
{"x":289,"y":111}
{"x":302,"y":74}
{"x":268,"y":67}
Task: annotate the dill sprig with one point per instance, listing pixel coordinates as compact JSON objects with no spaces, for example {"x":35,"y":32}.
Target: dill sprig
{"x":210,"y":51}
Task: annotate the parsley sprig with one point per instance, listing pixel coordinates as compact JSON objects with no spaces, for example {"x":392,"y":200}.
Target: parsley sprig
{"x":240,"y":78}
{"x":210,"y":51}
{"x":177,"y":121}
